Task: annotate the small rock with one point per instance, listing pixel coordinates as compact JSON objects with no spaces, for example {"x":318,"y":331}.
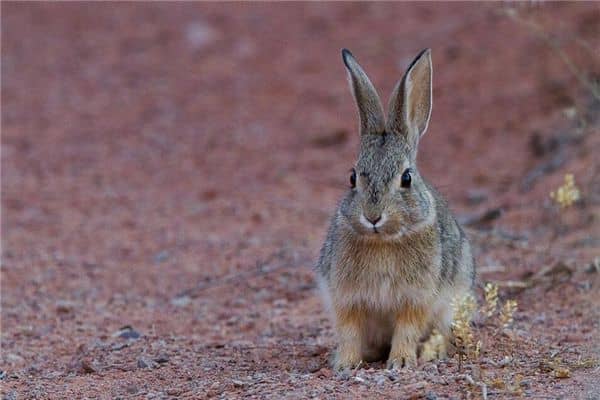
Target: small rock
{"x":64,"y":307}
{"x":280,"y":303}
{"x":87,"y":366}
{"x":144,"y":363}
{"x":585,"y":285}
{"x":380,"y":380}
{"x":325,"y":373}
{"x":431,"y":368}
{"x":358,"y":379}
{"x":33,"y":370}
{"x":314,"y":367}
{"x":431,"y":396}
{"x":127,"y":332}
{"x":238,"y":384}
{"x":14,"y":358}
{"x":343,"y":375}
{"x":570,"y":112}
{"x":2,"y":375}
{"x":161,"y":256}
{"x":199,"y":34}
{"x":119,"y":346}
{"x":12,"y":395}
{"x":181,"y":301}
{"x":505,"y":361}
{"x":162,"y":359}
{"x":392,"y":374}
{"x":132,"y":389}
{"x":525,"y":383}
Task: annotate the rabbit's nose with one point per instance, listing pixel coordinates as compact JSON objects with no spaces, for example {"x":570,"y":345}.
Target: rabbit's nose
{"x":373,"y":221}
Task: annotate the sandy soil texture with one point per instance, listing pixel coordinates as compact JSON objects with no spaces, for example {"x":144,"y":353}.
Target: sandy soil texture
{"x":169,"y":170}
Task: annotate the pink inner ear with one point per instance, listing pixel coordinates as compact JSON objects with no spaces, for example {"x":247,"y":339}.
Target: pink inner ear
{"x":419,"y":96}
{"x":410,"y":102}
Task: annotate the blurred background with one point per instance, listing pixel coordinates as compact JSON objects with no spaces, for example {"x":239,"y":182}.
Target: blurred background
{"x":169,"y":170}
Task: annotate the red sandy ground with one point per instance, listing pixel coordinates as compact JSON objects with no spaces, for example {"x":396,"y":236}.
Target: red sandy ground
{"x":173,"y":167}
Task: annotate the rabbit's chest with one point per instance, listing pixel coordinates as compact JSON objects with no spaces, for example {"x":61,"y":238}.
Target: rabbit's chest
{"x":382,"y":280}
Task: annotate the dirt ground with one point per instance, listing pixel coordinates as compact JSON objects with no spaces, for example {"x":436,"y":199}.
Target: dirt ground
{"x":168,"y":173}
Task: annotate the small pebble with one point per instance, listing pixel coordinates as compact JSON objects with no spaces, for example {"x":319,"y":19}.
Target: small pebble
{"x":505,"y":361}
{"x":118,"y":346}
{"x":431,"y":368}
{"x":132,"y":389}
{"x":64,"y":307}
{"x":162,"y":359}
{"x":392,"y":374}
{"x":144,"y":362}
{"x":127,"y":332}
{"x":87,"y":367}
{"x":314,"y":367}
{"x":380,"y":380}
{"x":161,"y":257}
{"x":525,"y":383}
{"x":181,"y":301}
{"x":325,"y":373}
{"x":238,"y":384}
{"x":431,"y":396}
{"x":12,"y":395}
{"x":343,"y":375}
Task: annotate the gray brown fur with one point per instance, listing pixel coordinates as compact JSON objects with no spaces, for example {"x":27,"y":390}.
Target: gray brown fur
{"x":389,"y":284}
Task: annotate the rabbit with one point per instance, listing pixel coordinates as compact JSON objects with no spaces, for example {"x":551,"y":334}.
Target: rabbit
{"x":394,"y":257}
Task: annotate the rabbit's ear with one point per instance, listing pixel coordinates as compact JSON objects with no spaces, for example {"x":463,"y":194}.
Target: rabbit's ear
{"x":369,"y":106}
{"x":410,"y":103}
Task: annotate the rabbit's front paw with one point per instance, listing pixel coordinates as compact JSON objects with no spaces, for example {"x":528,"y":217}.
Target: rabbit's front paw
{"x":346,"y":359}
{"x":401,"y":361}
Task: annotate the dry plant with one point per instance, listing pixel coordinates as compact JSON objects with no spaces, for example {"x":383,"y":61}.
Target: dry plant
{"x":564,"y":197}
{"x":506,"y":316}
{"x":491,"y":299}
{"x":503,"y":317}
{"x":566,"y":194}
{"x":466,"y":346}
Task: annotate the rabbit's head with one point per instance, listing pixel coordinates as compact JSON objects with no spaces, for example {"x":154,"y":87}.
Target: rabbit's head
{"x":388,"y":198}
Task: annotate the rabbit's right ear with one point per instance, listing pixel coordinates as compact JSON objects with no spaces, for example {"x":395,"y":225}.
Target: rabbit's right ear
{"x":370,"y":110}
{"x":410,"y":103}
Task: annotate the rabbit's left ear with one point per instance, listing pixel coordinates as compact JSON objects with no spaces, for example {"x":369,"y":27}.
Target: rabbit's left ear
{"x":370,"y":110}
{"x":410,"y":103}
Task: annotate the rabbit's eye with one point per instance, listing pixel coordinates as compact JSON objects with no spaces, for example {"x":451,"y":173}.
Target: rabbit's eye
{"x":353,"y":179}
{"x":406,"y":179}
